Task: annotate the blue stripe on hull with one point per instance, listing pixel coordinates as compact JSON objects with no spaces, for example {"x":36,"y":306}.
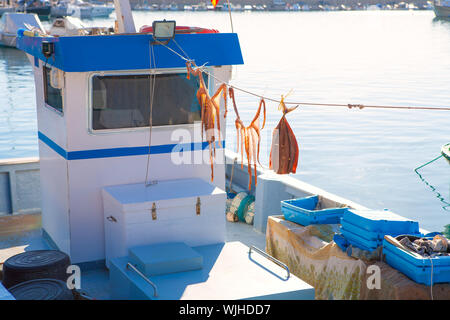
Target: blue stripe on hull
{"x":125,"y":151}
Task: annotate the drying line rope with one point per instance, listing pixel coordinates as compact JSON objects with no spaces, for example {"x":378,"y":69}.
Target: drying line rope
{"x":360,"y":106}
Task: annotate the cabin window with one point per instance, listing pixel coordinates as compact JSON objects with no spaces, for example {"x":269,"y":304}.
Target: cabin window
{"x":52,"y":96}
{"x":123,"y":101}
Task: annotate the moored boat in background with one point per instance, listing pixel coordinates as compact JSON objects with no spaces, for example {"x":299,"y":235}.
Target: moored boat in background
{"x":13,"y":21}
{"x":446,"y":151}
{"x":6,"y":7}
{"x":60,"y":9}
{"x":80,"y":9}
{"x":40,"y":7}
{"x":101,"y":10}
{"x":86,"y":10}
{"x":442,"y":8}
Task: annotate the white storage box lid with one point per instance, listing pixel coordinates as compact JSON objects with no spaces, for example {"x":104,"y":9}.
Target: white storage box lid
{"x":167,"y":193}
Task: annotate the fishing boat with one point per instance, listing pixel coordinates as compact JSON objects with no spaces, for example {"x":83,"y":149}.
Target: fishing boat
{"x":60,"y":9}
{"x":40,"y":7}
{"x":11,"y":22}
{"x":173,"y":7}
{"x":4,"y":7}
{"x":97,"y":215}
{"x":80,"y":9}
{"x":441,"y":8}
{"x":102,"y":10}
{"x":86,"y":10}
{"x":66,"y":26}
{"x":122,"y":196}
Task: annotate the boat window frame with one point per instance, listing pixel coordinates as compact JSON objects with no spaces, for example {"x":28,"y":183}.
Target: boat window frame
{"x":90,"y":107}
{"x":44,"y":91}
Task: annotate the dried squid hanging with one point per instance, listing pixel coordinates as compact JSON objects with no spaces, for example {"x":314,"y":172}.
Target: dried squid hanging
{"x":284,"y":151}
{"x":249,"y":137}
{"x":210,"y":110}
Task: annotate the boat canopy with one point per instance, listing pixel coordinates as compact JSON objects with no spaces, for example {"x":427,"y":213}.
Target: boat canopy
{"x":11,"y":22}
{"x":132,"y":51}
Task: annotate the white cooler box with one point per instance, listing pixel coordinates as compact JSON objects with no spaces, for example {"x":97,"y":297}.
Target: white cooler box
{"x":185,"y":210}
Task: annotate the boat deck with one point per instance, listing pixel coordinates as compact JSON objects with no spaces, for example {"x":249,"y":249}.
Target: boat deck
{"x":95,"y":282}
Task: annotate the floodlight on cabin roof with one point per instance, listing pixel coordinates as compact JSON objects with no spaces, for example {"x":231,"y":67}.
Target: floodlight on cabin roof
{"x":164,"y":30}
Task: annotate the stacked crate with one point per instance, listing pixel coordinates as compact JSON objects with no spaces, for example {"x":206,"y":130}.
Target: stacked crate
{"x":366,"y":229}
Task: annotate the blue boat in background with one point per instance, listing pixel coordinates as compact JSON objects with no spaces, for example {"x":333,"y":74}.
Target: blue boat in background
{"x":40,"y":7}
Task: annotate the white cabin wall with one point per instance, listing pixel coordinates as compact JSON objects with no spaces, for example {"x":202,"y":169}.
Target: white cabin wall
{"x":54,"y":197}
{"x":88,"y":177}
{"x":53,"y":168}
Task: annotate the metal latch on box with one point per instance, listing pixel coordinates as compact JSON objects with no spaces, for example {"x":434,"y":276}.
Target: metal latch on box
{"x":197,"y":206}
{"x":154,"y":211}
{"x":111,"y":219}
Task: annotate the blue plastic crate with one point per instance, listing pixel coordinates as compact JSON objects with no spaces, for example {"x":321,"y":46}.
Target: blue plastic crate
{"x":382,"y":222}
{"x":416,"y":267}
{"x":303,"y":211}
{"x":366,"y":228}
{"x":369,"y":235}
{"x":357,"y":241}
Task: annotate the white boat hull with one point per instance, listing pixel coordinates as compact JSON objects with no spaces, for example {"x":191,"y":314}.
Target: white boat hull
{"x":8,"y":40}
{"x":59,"y":11}
{"x":101,"y":11}
{"x":80,"y":12}
{"x":11,"y":22}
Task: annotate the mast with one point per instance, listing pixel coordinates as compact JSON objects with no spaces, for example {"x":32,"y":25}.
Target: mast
{"x":124,"y":16}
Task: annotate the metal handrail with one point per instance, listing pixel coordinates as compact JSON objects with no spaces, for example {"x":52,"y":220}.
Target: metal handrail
{"x":155,"y":290}
{"x":268,"y":256}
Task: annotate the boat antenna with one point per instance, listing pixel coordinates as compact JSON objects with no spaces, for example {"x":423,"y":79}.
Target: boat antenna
{"x":124,"y":16}
{"x":231,"y":19}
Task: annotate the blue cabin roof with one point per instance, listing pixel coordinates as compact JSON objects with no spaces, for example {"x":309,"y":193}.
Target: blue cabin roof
{"x":132,"y":51}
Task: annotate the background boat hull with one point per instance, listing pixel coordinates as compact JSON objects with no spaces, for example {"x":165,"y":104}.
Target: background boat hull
{"x":442,"y":12}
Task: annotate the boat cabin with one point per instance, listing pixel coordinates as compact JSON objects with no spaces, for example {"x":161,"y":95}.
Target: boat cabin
{"x":93,"y":97}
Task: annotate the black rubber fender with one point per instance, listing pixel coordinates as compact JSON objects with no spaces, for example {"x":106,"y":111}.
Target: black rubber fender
{"x":37,"y":264}
{"x":41,"y":289}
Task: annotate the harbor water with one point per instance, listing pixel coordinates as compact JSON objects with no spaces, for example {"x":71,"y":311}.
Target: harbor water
{"x":368,"y":57}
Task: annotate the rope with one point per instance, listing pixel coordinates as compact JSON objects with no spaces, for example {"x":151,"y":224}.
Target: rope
{"x":152,"y":94}
{"x":427,"y":163}
{"x":243,"y":207}
{"x":431,"y":281}
{"x":446,"y":205}
{"x":180,"y":48}
{"x":349,"y":105}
